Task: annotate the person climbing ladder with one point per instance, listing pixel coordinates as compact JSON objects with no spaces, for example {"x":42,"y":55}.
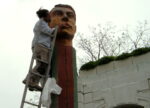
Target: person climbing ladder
{"x":40,"y":47}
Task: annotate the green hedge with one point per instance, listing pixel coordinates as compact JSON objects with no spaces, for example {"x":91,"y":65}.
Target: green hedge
{"x":140,"y":51}
{"x":123,"y":56}
{"x":89,"y":65}
{"x":107,"y":59}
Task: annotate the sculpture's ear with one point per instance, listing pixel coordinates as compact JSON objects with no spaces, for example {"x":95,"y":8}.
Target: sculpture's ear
{"x":75,"y":28}
{"x":49,"y":18}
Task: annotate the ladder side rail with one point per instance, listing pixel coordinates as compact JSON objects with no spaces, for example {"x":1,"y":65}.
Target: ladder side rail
{"x":26,"y":85}
{"x":49,"y":62}
{"x":51,"y":52}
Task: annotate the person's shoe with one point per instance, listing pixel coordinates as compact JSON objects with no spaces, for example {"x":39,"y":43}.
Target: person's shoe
{"x":24,"y":81}
{"x":33,"y":86}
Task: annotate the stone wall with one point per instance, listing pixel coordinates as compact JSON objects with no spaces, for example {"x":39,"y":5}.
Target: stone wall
{"x":119,"y":82}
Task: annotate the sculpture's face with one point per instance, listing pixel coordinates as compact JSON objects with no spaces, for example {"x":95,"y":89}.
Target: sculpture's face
{"x":65,"y":19}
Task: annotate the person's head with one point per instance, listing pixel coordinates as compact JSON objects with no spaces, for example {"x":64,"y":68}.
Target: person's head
{"x":43,"y":13}
{"x":65,"y":17}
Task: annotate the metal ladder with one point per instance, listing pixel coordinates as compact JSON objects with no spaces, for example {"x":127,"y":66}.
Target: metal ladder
{"x":46,"y":76}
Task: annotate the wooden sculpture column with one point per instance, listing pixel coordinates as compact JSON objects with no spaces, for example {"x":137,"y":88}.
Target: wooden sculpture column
{"x":64,"y":70}
{"x":64,"y":60}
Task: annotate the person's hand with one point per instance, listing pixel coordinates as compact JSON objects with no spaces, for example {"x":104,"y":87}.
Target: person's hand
{"x":53,"y":30}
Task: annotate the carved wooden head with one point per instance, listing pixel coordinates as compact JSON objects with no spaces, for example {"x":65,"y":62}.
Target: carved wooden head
{"x":64,"y":16}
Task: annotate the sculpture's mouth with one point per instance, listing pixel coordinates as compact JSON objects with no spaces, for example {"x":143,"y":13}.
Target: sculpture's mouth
{"x":65,"y":26}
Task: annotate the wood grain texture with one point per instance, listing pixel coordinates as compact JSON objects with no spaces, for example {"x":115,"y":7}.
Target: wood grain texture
{"x":64,"y":73}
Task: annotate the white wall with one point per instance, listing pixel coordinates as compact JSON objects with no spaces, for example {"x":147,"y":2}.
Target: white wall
{"x":119,"y":82}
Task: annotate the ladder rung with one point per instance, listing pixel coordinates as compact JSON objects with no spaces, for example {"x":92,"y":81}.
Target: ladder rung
{"x":40,"y":60}
{"x":31,"y":103}
{"x":38,"y":74}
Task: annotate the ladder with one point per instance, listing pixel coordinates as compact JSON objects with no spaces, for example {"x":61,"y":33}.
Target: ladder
{"x":45,"y":77}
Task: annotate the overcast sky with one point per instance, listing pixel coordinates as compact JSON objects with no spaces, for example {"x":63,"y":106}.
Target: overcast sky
{"x":17,"y":18}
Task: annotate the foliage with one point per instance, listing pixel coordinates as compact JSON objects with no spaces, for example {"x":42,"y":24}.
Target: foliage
{"x":107,"y":59}
{"x":123,"y":56}
{"x":93,"y":64}
{"x":140,"y":51}
{"x":89,"y":65}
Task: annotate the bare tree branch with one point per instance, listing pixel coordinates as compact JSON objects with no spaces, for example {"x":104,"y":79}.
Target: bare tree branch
{"x":108,"y":41}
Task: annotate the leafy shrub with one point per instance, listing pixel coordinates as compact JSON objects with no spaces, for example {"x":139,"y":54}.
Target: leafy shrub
{"x":123,"y":56}
{"x":105,"y":60}
{"x":140,"y":51}
{"x":88,"y":66}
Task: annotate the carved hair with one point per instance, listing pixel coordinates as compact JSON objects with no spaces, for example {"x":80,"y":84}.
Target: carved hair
{"x":65,"y":6}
